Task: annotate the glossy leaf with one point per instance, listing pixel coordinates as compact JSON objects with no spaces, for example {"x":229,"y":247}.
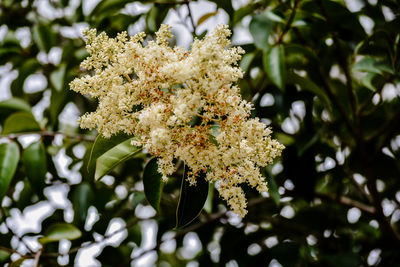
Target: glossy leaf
{"x":102,"y":145}
{"x":9,"y":157}
{"x":152,"y":183}
{"x":34,"y":159}
{"x":260,"y":28}
{"x":20,"y":122}
{"x":274,"y":65}
{"x":59,"y":231}
{"x":116,"y":155}
{"x":191,"y":199}
{"x":82,"y":198}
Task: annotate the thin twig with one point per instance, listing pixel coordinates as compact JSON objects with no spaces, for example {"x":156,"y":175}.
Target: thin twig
{"x":37,"y":258}
{"x":79,"y":137}
{"x":289,"y":22}
{"x":10,"y":250}
{"x":191,"y":17}
{"x":346,"y":201}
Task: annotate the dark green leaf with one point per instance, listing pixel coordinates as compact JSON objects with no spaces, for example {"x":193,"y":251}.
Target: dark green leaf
{"x":28,"y":67}
{"x":20,"y":122}
{"x":273,"y":16}
{"x":59,"y":231}
{"x":225,"y":5}
{"x":273,"y":190}
{"x":260,"y":28}
{"x":274,"y":65}
{"x":43,"y":37}
{"x":153,"y":184}
{"x":14,"y":104}
{"x":370,"y":64}
{"x":34,"y":159}
{"x":9,"y":157}
{"x":191,"y":199}
{"x":116,"y":155}
{"x":306,"y":84}
{"x":82,"y":198}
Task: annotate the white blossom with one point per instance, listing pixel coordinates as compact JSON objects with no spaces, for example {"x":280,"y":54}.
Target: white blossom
{"x":180,"y":104}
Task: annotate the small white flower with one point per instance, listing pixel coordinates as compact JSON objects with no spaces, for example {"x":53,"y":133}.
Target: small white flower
{"x":173,"y":86}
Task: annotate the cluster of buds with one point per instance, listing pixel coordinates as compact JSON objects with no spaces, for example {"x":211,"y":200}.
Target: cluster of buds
{"x":180,"y":104}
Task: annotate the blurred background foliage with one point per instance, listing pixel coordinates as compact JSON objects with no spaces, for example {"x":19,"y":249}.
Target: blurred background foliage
{"x":323,"y":74}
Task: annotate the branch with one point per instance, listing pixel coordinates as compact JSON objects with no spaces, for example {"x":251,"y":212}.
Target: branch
{"x":289,"y":22}
{"x":10,"y":250}
{"x":79,"y":137}
{"x":348,"y":202}
{"x":37,"y":257}
{"x":191,"y":17}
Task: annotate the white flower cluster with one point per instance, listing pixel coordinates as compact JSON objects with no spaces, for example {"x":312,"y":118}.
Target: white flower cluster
{"x":180,"y":104}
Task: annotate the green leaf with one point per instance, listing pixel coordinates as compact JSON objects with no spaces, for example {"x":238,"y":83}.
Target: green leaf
{"x":153,"y":183}
{"x":14,"y":104}
{"x":82,"y":198}
{"x":116,"y":155}
{"x":57,"y":77}
{"x":59,"y":231}
{"x":260,"y":28}
{"x":306,"y":84}
{"x":273,"y":190}
{"x":274,"y":65}
{"x":191,"y":199}
{"x":20,"y":122}
{"x":34,"y":159}
{"x":209,"y":201}
{"x":4,"y":256}
{"x":135,"y":234}
{"x":246,"y":61}
{"x":370,"y":64}
{"x":43,"y":37}
{"x":372,"y":81}
{"x":18,"y":262}
{"x":206,"y":17}
{"x":155,"y":17}
{"x":108,"y":6}
{"x":102,"y":145}
{"x":28,"y":67}
{"x":225,"y":5}
{"x":273,"y":16}
{"x":9,"y":157}
{"x":242,"y":12}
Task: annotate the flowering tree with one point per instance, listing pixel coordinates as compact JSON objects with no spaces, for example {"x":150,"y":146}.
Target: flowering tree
{"x":294,"y":129}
